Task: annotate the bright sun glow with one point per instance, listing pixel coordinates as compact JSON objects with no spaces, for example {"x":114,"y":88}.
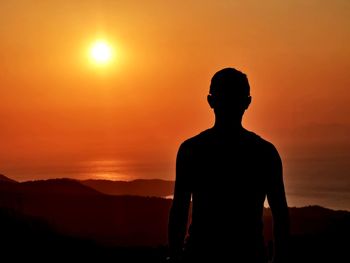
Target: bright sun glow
{"x":101,"y":52}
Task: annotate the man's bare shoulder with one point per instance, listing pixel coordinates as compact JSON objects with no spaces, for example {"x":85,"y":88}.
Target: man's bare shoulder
{"x":261,"y":143}
{"x":197,"y":140}
{"x":248,"y":138}
{"x":258,"y":139}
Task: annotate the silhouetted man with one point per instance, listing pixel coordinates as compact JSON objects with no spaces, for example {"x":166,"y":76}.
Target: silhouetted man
{"x":228,"y":171}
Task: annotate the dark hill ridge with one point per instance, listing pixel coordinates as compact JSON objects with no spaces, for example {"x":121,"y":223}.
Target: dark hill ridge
{"x":63,"y":186}
{"x":140,"y":187}
{"x":114,"y":220}
{"x":3,"y":178}
{"x":78,"y":210}
{"x":75,"y":210}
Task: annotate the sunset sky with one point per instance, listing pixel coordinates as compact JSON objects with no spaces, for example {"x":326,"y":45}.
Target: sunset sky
{"x":62,"y":115}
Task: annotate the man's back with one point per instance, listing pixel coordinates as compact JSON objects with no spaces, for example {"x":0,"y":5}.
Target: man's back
{"x":228,"y":175}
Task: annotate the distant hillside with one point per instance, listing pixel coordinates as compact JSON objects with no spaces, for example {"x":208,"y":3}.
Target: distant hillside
{"x":3,"y":178}
{"x":49,"y":187}
{"x":140,"y":187}
{"x":155,"y":187}
{"x":71,"y":209}
{"x":64,"y":186}
{"x":77,"y":210}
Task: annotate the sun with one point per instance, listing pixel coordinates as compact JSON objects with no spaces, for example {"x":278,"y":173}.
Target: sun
{"x":101,"y":52}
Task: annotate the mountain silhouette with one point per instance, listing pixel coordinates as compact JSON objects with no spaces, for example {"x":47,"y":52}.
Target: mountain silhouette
{"x":3,"y":178}
{"x":65,"y":213}
{"x":64,"y":186}
{"x":140,"y":187}
{"x":47,"y":187}
{"x":77,"y":210}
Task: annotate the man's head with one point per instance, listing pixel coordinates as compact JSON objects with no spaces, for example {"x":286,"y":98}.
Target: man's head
{"x":229,"y":93}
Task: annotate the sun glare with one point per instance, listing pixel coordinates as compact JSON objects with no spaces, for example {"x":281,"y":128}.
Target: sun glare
{"x":101,"y":52}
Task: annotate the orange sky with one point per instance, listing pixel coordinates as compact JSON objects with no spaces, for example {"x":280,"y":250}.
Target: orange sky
{"x":62,"y":116}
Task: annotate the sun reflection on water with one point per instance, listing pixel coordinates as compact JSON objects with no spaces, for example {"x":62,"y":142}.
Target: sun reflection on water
{"x":106,"y":170}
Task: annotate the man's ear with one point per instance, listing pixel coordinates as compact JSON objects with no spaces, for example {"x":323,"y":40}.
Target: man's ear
{"x":210,"y":100}
{"x":248,"y":101}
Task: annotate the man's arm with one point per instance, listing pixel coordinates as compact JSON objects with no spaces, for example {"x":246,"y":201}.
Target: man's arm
{"x":278,"y":204}
{"x":179,"y":211}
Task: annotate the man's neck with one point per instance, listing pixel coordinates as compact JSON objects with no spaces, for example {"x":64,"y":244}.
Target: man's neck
{"x":228,"y":127}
